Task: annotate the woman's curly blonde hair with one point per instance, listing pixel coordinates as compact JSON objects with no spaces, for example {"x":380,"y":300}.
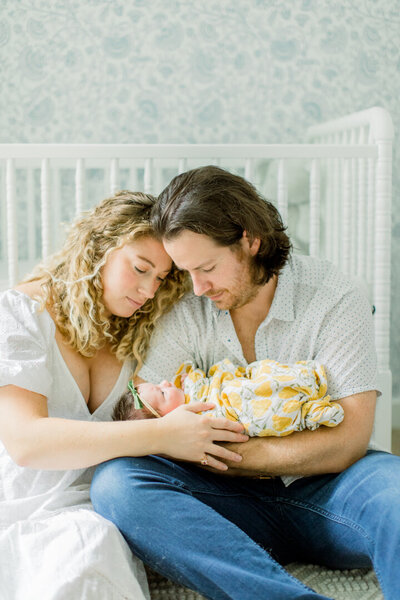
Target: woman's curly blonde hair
{"x":71,"y":280}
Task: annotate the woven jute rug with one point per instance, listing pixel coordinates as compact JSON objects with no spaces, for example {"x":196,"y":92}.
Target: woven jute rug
{"x":357,"y":584}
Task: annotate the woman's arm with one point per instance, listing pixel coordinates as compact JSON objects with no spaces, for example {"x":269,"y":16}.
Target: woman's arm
{"x":307,"y":453}
{"x":35,"y":440}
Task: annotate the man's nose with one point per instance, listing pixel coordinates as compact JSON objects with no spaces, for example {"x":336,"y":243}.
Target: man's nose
{"x":200,"y":286}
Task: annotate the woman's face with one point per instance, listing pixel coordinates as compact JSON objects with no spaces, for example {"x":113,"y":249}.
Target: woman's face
{"x":132,"y":274}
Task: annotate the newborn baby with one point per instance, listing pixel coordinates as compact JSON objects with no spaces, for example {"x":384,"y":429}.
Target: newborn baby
{"x":269,"y":398}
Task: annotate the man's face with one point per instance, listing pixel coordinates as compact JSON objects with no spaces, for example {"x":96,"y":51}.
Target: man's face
{"x":222,"y":273}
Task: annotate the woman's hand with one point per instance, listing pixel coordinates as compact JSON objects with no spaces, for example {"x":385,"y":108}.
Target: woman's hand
{"x":186,"y":435}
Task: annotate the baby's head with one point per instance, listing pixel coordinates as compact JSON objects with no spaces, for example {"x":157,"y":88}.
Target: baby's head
{"x":147,"y":401}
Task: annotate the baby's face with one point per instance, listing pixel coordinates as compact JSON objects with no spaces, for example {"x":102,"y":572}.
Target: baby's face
{"x":163,"y":397}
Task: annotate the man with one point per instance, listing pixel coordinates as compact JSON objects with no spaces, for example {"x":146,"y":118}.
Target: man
{"x":316,"y":496}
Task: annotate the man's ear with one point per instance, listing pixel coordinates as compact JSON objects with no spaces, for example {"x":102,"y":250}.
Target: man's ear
{"x":251,"y":244}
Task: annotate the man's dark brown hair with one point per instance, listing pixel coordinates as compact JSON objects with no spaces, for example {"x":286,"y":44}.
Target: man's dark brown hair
{"x":214,"y":202}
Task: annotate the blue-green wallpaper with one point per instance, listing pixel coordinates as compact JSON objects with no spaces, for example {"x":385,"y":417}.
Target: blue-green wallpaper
{"x":198,"y":71}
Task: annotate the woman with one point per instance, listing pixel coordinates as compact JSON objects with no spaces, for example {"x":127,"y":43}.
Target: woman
{"x":70,"y":336}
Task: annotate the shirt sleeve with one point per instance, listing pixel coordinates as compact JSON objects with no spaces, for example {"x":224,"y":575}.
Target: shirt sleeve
{"x":346,"y":347}
{"x":24,"y":335}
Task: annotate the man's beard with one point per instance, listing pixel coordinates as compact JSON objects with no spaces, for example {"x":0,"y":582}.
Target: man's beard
{"x":243,"y":288}
{"x":234,"y":301}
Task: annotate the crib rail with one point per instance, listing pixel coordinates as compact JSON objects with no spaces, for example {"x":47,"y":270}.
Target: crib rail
{"x":185,"y":151}
{"x":143,"y":166}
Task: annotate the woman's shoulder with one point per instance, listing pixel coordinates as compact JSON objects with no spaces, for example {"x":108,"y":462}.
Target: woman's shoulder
{"x":26,"y":343}
{"x":20,"y":311}
{"x":19,"y":298}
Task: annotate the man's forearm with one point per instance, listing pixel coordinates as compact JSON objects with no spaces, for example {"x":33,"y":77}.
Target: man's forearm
{"x":306,"y":453}
{"x":291,"y":455}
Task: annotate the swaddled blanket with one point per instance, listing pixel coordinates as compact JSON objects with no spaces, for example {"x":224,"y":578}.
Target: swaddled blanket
{"x":269,"y":398}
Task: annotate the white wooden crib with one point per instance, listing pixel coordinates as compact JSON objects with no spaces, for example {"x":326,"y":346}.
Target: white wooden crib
{"x":333,"y":190}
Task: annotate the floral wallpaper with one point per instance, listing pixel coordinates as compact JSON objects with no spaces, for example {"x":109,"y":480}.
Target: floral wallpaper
{"x":188,"y":71}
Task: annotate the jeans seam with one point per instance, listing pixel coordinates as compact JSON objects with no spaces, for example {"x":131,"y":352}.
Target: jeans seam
{"x":326,"y":513}
{"x":288,"y":534}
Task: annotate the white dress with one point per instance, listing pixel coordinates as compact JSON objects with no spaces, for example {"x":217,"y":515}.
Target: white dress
{"x":53,"y":546}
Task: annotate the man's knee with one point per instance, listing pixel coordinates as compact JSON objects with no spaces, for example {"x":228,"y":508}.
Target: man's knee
{"x":376,"y":484}
{"x":376,"y":467}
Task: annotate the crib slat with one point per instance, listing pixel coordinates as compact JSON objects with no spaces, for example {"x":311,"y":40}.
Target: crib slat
{"x":382,"y":252}
{"x":158,"y":178}
{"x":361,"y":256}
{"x":370,"y":221}
{"x":12,"y":239}
{"x":314,"y":207}
{"x":336,"y":211}
{"x":361,"y":215}
{"x":148,"y":176}
{"x":31,"y":224}
{"x":326,"y":237}
{"x":354,"y":216}
{"x":57,"y":219}
{"x":114,"y":176}
{"x":45,"y":206}
{"x":282,"y":191}
{"x":337,"y":185}
{"x":346,"y":228}
{"x":329,"y":206}
{"x":249,"y":170}
{"x":3,"y":218}
{"x":79,"y":185}
{"x":182,"y":165}
{"x":133,"y":178}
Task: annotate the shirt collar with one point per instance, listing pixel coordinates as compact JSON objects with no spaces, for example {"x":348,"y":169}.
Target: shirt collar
{"x":282,"y":306}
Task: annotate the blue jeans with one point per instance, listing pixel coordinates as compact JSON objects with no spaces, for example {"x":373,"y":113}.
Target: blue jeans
{"x":228,"y":538}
